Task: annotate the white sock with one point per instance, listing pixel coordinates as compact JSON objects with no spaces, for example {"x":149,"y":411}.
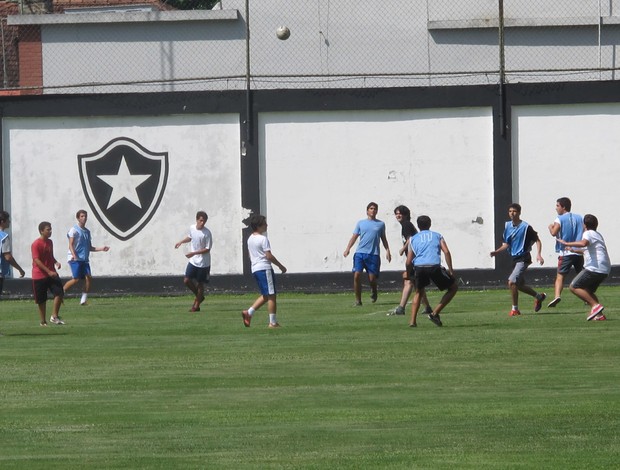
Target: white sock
{"x":84,"y":297}
{"x":272,"y":318}
{"x":251,"y":311}
{"x":515,"y":307}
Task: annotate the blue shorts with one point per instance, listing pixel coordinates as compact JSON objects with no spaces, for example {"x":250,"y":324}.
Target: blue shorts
{"x":371,"y":263}
{"x":79,"y":269}
{"x":266,"y":281}
{"x":197,"y":274}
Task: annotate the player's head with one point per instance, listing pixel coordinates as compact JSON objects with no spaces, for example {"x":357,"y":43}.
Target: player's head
{"x":424,"y":222}
{"x":515,"y":206}
{"x":4,"y":217}
{"x":257,"y":221}
{"x":203,"y":215}
{"x":590,"y":221}
{"x":79,"y":213}
{"x":372,"y":205}
{"x":44,"y":225}
{"x":564,"y":203}
{"x":403,"y":211}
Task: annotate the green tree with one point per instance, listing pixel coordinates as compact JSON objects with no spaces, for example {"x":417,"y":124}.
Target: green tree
{"x":192,"y":4}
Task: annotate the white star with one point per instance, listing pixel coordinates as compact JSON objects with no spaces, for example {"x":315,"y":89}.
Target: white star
{"x":124,"y":185}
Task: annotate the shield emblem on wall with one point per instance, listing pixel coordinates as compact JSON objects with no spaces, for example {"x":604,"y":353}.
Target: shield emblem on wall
{"x":124,"y":184}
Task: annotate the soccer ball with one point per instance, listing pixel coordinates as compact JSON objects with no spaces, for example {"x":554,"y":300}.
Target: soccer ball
{"x":283,"y":33}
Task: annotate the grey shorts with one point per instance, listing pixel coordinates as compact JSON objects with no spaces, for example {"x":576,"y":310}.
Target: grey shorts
{"x":588,"y":280}
{"x":566,"y":262}
{"x":517,"y":276}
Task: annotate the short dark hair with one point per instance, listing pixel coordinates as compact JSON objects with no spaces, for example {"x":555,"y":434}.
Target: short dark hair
{"x":565,"y":203}
{"x":80,"y":212}
{"x":590,"y":221}
{"x":404,"y":211}
{"x":516,"y":206}
{"x":4,"y":216}
{"x":202,"y":214}
{"x":256,"y":221}
{"x":370,"y":204}
{"x":44,"y":224}
{"x":424,"y":222}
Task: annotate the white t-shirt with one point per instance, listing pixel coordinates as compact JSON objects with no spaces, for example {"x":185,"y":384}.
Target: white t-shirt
{"x":596,"y":258}
{"x":257,"y":246}
{"x":200,"y":240}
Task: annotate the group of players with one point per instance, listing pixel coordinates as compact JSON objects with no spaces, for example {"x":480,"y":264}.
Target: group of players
{"x":578,"y":243}
{"x":45,"y":276}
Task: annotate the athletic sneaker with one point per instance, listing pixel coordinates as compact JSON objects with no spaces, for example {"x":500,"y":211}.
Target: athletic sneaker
{"x":539,"y":300}
{"x":247,"y":318}
{"x":57,"y":320}
{"x":428,"y":310}
{"x":599,"y":318}
{"x":44,"y":323}
{"x":596,"y":310}
{"x":373,"y":297}
{"x":274,"y":325}
{"x":357,"y":304}
{"x":435,"y":319}
{"x":413,"y":325}
{"x":398,"y":311}
{"x":194,"y":309}
{"x":554,"y":302}
{"x":514,"y":313}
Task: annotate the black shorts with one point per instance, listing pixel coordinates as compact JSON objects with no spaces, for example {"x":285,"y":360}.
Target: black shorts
{"x":438,"y":274}
{"x":41,"y":286}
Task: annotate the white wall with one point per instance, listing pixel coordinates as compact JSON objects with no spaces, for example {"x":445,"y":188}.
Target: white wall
{"x":322,"y":168}
{"x":42,"y":183}
{"x":572,"y":151}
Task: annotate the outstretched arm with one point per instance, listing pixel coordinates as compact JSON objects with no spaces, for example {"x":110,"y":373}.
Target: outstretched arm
{"x":388,"y":255}
{"x":446,"y":252}
{"x":185,"y":240}
{"x":504,"y":247}
{"x":13,"y":262}
{"x":275,"y":261}
{"x":350,"y":244}
{"x":539,"y":257}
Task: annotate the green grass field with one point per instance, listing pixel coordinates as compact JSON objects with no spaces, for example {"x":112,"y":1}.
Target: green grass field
{"x":141,"y":383}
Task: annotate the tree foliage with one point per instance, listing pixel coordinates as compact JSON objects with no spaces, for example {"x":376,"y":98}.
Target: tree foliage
{"x":192,"y":4}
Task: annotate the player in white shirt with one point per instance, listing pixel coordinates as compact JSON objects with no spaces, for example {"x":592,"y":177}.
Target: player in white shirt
{"x":262,"y":259}
{"x":198,"y":269}
{"x":597,"y":266}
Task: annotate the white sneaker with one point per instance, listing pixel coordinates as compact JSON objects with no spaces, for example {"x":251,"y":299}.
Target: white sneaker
{"x":57,"y":320}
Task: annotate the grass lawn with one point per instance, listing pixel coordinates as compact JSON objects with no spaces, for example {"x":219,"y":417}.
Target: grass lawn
{"x":141,"y":383}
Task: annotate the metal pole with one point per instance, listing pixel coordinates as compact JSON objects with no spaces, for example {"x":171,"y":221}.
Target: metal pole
{"x":502,"y":71}
{"x":248,"y":75}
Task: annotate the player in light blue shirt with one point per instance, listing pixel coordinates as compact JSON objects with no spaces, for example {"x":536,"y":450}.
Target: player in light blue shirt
{"x":519,"y":237}
{"x":568,"y":227}
{"x":424,"y":255}
{"x":367,"y":255}
{"x":78,"y":257}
